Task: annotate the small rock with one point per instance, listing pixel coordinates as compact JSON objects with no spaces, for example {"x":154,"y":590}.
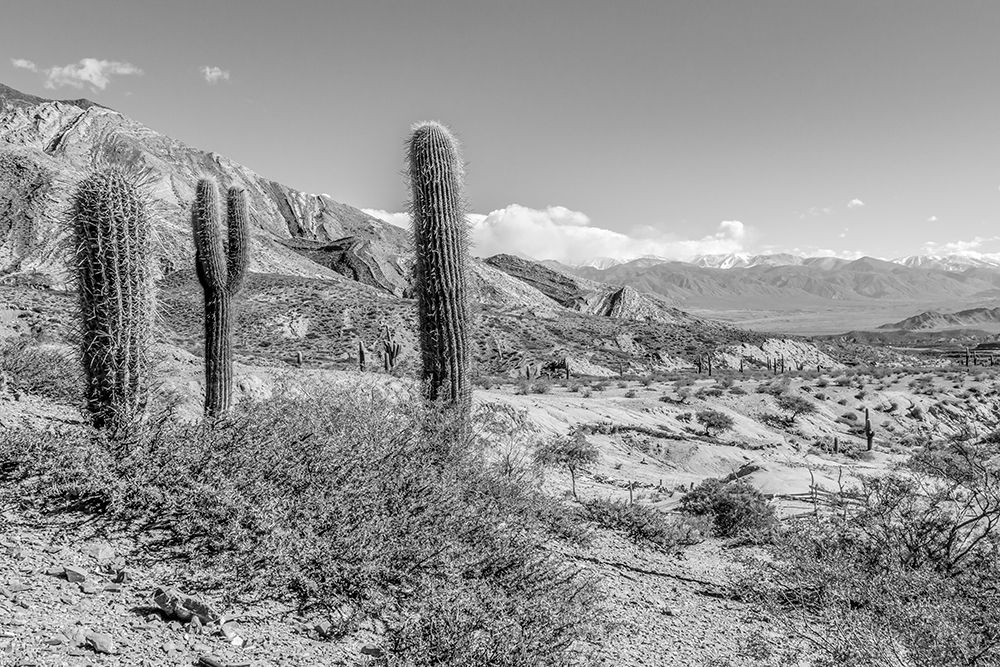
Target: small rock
{"x":102,"y":553}
{"x":194,"y":626}
{"x":201,"y":648}
{"x":113,"y":588}
{"x":90,"y":588}
{"x":323,"y":628}
{"x":75,"y":574}
{"x":373,"y":651}
{"x":210,"y":661}
{"x":55,"y":571}
{"x":233,"y":634}
{"x":101,"y":643}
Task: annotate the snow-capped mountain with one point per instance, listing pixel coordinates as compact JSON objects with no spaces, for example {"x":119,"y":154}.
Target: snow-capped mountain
{"x":745,"y":260}
{"x":950,"y":262}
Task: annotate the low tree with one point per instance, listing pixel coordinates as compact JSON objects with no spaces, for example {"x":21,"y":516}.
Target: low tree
{"x":713,"y":420}
{"x":572,"y":451}
{"x":795,"y":406}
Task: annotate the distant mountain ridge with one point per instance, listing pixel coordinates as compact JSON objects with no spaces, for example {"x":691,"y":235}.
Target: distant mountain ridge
{"x":931,"y":320}
{"x":947,"y":262}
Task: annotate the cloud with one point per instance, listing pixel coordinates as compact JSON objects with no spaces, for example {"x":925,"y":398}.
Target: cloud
{"x":855,"y":203}
{"x":213,"y":74}
{"x":968,"y":248}
{"x":397,"y":219}
{"x":559,"y":233}
{"x":89,"y":71}
{"x":562,"y":234}
{"x":933,"y":218}
{"x":24,"y":64}
{"x":843,"y":234}
{"x":815,"y":211}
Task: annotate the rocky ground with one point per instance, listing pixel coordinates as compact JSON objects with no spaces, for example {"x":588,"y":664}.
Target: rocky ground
{"x":72,"y":592}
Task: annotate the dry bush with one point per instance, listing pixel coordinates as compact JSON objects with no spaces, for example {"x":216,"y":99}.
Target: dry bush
{"x":358,"y":496}
{"x":41,"y":370}
{"x":645,"y":525}
{"x":904,"y":572}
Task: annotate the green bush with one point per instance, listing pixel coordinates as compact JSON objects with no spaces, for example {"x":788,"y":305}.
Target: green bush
{"x":735,"y":508}
{"x":356,"y":496}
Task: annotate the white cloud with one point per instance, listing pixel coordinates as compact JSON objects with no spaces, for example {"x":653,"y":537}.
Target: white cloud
{"x":968,"y":248}
{"x":815,"y":211}
{"x":855,"y":203}
{"x":24,"y":64}
{"x":559,"y":233}
{"x":89,"y":71}
{"x":213,"y":74}
{"x":398,"y":219}
{"x":933,"y":218}
{"x":843,"y":234}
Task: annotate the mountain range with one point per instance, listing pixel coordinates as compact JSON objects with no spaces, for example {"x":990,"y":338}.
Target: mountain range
{"x":948,"y":262}
{"x":46,"y":146}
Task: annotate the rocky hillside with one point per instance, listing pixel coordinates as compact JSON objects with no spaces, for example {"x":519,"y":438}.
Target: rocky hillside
{"x":327,"y":274}
{"x":931,"y":320}
{"x":46,"y":146}
{"x":587,"y":296}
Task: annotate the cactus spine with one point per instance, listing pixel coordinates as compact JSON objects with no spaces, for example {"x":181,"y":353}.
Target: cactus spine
{"x":441,"y":268}
{"x":221,"y":271}
{"x":111,"y":225}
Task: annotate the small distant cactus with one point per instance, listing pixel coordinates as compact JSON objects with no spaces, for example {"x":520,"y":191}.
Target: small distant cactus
{"x":441,"y":269}
{"x":869,"y":431}
{"x":222,"y":272}
{"x":391,"y":349}
{"x":113,"y":243}
{"x":362,"y":356}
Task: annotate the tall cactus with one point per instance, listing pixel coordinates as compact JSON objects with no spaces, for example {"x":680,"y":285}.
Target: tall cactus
{"x":113,"y":266}
{"x":441,"y":269}
{"x":222,"y":271}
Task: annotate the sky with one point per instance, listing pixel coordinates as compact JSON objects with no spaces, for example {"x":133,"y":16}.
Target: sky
{"x":589,"y":128}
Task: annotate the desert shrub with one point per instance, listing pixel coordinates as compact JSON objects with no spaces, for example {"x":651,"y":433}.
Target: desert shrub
{"x":645,"y":525}
{"x":737,"y":391}
{"x":572,"y":452}
{"x":586,"y":392}
{"x":41,"y":370}
{"x":907,"y":569}
{"x":631,"y":393}
{"x":524,"y":386}
{"x":713,"y":420}
{"x":600,"y":385}
{"x":735,"y":508}
{"x":357,"y":496}
{"x":541,"y":386}
{"x":796,"y":406}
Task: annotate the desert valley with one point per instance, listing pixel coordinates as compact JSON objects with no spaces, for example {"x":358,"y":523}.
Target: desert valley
{"x":740,"y":459}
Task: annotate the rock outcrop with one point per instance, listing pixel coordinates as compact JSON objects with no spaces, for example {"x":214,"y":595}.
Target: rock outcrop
{"x":47,"y":146}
